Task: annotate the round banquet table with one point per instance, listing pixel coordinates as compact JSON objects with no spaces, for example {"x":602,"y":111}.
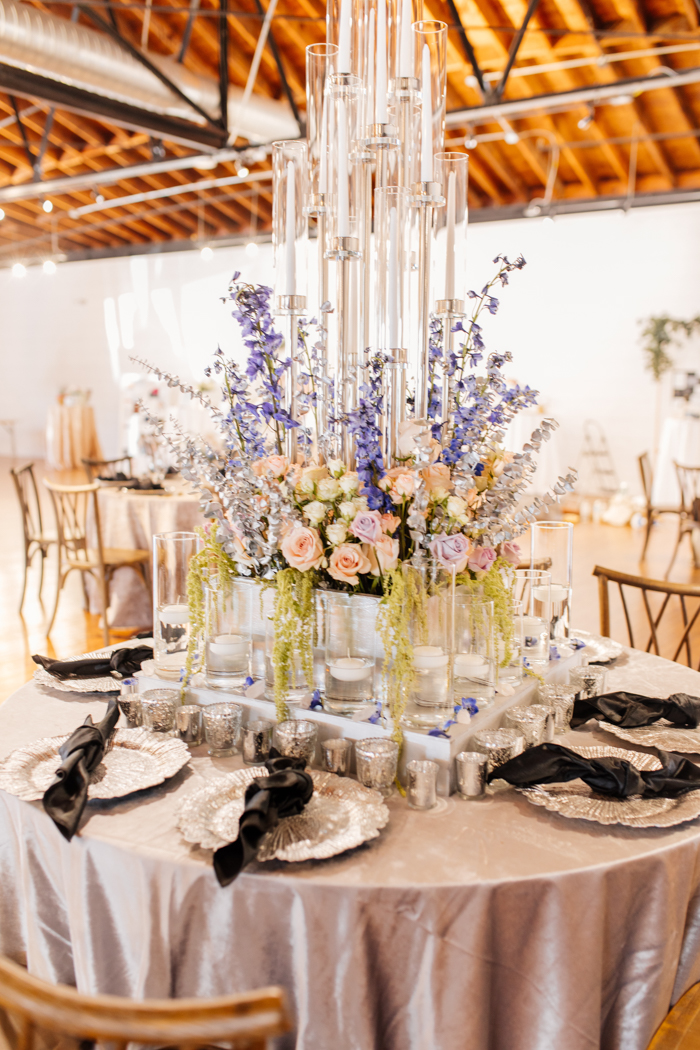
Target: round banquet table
{"x":492,"y":925}
{"x":129,"y":519}
{"x":71,"y":436}
{"x":680,"y":441}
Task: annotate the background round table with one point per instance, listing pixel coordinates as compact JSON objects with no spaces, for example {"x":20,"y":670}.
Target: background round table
{"x":492,"y":925}
{"x":71,"y":436}
{"x":129,"y":519}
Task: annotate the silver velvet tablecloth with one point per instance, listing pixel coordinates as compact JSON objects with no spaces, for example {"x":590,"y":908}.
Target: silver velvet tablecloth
{"x":491,"y":925}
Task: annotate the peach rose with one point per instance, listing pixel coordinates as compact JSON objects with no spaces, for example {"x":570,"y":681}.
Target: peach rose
{"x":346,"y":561}
{"x":302,"y":548}
{"x":437,"y":476}
{"x":403,"y":488}
{"x":277,"y":466}
{"x":383,"y":555}
{"x":390,"y":522}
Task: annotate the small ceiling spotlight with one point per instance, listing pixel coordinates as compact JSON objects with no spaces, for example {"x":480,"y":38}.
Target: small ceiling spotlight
{"x":620,"y":100}
{"x":512,"y":137}
{"x":48,"y":207}
{"x":251,"y":249}
{"x":532,"y":211}
{"x":586,"y":121}
{"x":2,"y":214}
{"x":49,"y":266}
{"x":470,"y":143}
{"x":206,"y":163}
{"x":18,"y":270}
{"x":242,"y":171}
{"x":206,"y":253}
{"x":548,"y":221}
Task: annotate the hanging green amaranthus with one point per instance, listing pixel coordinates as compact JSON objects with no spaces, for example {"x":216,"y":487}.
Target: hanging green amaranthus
{"x":210,"y":564}
{"x":403,"y":605}
{"x":496,"y":586}
{"x":294,"y":618}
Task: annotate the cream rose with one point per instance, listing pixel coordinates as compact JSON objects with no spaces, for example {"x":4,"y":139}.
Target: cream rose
{"x":456,"y":507}
{"x":412,"y":433}
{"x":437,"y":475}
{"x":315,"y":512}
{"x":337,"y":533}
{"x":315,"y":473}
{"x":336,"y":467}
{"x":347,"y":510}
{"x":439,"y":494}
{"x":277,"y":466}
{"x":328,"y":488}
{"x":302,"y":548}
{"x":350,"y":483}
{"x":306,"y":486}
{"x":346,"y":561}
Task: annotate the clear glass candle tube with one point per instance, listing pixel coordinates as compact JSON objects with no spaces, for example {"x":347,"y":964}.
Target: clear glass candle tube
{"x":345,"y":173}
{"x":376,"y":762}
{"x":172,"y":552}
{"x":450,"y":250}
{"x":561,"y":698}
{"x":321,"y":61}
{"x":532,"y":590}
{"x":337,"y":754}
{"x":530,"y":721}
{"x":474,"y":648}
{"x":421,"y":789}
{"x":588,"y":681}
{"x":391,"y":210}
{"x":511,"y":673}
{"x":408,"y":12}
{"x":229,"y":634}
{"x":296,"y":686}
{"x":256,"y":741}
{"x":222,"y":723}
{"x":290,"y":170}
{"x":296,"y":738}
{"x":430,"y":700}
{"x":552,"y":547}
{"x":430,"y":65}
{"x":190,"y":724}
{"x":346,"y":25}
{"x":350,"y":631}
{"x":499,"y":745}
{"x":158,"y":708}
{"x":471,"y":768}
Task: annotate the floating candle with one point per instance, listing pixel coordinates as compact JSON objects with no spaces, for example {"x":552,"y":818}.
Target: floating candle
{"x":429,"y":657}
{"x":467,"y":664}
{"x":174,"y":614}
{"x":350,"y":669}
{"x":228,"y":645}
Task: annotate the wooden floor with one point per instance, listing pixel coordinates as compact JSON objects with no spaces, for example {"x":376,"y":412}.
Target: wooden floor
{"x":76,"y":631}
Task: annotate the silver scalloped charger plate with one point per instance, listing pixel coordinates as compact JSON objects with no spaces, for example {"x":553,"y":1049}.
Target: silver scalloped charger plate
{"x":599,"y":650}
{"x":88,"y":685}
{"x":340,"y":815}
{"x":576,"y":799}
{"x":661,"y":734}
{"x":136,"y":760}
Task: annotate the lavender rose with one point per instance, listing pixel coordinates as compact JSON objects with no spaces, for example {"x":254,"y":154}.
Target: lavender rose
{"x":510,"y":552}
{"x":367,"y":526}
{"x":481,"y":559}
{"x":451,"y":551}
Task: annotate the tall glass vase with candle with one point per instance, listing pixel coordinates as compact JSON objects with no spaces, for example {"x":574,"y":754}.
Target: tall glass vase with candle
{"x":449,"y":266}
{"x":229,"y":642}
{"x":532,"y":589}
{"x":321,"y":60}
{"x":510,"y":673}
{"x":350,"y":635}
{"x":172,"y":552}
{"x":474,"y":648}
{"x":429,"y":590}
{"x":392,"y":268}
{"x":552,"y":548}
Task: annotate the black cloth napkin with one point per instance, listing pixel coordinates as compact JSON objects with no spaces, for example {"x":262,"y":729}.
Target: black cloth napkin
{"x":124,"y":661}
{"x":283,"y":793}
{"x":553,"y":764}
{"x":630,"y":710}
{"x":65,"y":797}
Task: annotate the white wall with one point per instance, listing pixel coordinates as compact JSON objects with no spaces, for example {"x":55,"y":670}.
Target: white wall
{"x":570,"y":319}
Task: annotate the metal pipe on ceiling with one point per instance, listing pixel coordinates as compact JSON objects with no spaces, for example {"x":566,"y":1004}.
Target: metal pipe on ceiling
{"x":170,"y":191}
{"x":55,"y":49}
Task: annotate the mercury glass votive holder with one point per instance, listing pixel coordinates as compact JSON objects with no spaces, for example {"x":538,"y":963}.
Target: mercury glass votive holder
{"x":530,"y":721}
{"x":222,"y":723}
{"x":189,"y":724}
{"x":499,"y":745}
{"x":421,"y":791}
{"x":158,"y":709}
{"x":376,"y":761}
{"x":336,"y":755}
{"x":256,"y":741}
{"x":588,"y":681}
{"x":561,"y":699}
{"x":548,"y":713}
{"x":130,"y":702}
{"x":296,"y":738}
{"x":472,"y":767}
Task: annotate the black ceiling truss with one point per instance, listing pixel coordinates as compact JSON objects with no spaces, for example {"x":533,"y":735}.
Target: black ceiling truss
{"x":223,"y":63}
{"x":23,"y":132}
{"x":283,"y":76}
{"x":194,"y":7}
{"x":48,"y":124}
{"x":513,"y":53}
{"x":468,"y":49}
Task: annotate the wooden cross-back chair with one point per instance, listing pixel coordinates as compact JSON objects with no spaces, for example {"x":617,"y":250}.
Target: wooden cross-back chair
{"x":689,"y":484}
{"x":74,"y":505}
{"x":35,"y":539}
{"x":688,"y":606}
{"x":652,"y":511}
{"x":36,"y":1015}
{"x":107,"y":468}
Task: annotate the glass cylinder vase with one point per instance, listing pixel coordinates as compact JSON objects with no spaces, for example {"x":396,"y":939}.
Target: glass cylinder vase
{"x":229,"y":641}
{"x":532,"y":587}
{"x":350,"y":636}
{"x":474,"y":648}
{"x":172,"y":552}
{"x":428,"y":599}
{"x":552,"y":548}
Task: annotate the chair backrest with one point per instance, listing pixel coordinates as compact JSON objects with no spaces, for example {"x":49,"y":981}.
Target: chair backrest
{"x":689,"y":484}
{"x":107,"y":468}
{"x":647,"y":476}
{"x":28,"y":496}
{"x":33,"y":1008}
{"x":73,"y":504}
{"x":654,"y":603}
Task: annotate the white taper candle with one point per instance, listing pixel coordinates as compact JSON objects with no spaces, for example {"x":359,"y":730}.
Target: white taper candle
{"x":381,"y":112}
{"x":343,"y":185}
{"x":323,"y":166}
{"x":450,"y":237}
{"x":345,"y":37}
{"x":406,"y":41}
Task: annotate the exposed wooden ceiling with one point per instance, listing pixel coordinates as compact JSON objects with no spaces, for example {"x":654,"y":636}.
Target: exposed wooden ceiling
{"x":630,"y":145}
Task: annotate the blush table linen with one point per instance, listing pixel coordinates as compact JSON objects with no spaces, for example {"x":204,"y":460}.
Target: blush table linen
{"x":492,"y":925}
{"x":71,"y":436}
{"x":129,"y":520}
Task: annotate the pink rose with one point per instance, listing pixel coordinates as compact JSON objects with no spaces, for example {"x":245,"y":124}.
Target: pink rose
{"x":277,"y":465}
{"x":302,"y":548}
{"x":510,"y":552}
{"x":403,"y":488}
{"x":367,"y":526}
{"x":481,"y":559}
{"x":390,"y":523}
{"x":383,"y":556}
{"x":451,"y":551}
{"x":346,"y":561}
{"x":437,"y":476}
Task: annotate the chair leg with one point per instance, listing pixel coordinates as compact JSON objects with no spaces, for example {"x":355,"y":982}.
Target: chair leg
{"x":44,"y":555}
{"x":24,"y":582}
{"x":59,"y":587}
{"x":649,"y":527}
{"x":86,"y":596}
{"x":104,"y":599}
{"x":675,"y":552}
